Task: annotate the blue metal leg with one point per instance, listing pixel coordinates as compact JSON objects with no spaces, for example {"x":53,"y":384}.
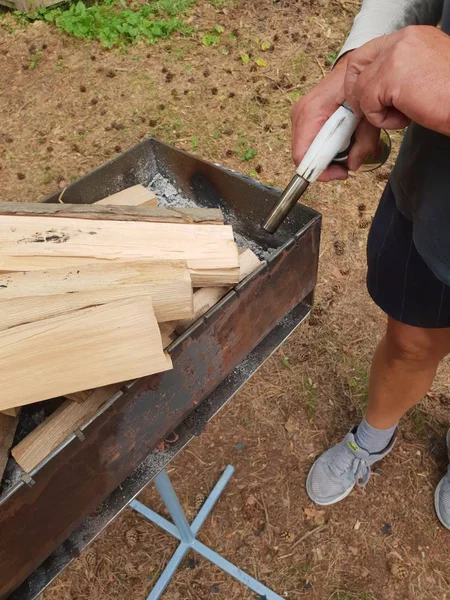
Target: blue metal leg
{"x":212,"y":499}
{"x":234,"y":571}
{"x":153,"y":517}
{"x":181,"y":530}
{"x":169,"y":572}
{"x":173,"y":505}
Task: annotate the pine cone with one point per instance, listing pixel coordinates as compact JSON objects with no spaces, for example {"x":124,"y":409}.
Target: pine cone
{"x":131,"y":537}
{"x":287,"y":536}
{"x":399,"y":570}
{"x":90,"y":558}
{"x":199,"y":500}
{"x":339,"y":247}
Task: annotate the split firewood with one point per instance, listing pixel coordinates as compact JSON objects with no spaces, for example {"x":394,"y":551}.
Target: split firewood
{"x":35,"y":295}
{"x":206,"y":298}
{"x":40,"y":243}
{"x":55,"y":430}
{"x":137,"y":195}
{"x":8,"y":427}
{"x":108,"y":212}
{"x":89,"y":348}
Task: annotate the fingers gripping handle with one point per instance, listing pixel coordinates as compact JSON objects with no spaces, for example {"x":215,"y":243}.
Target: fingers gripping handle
{"x":334,"y":137}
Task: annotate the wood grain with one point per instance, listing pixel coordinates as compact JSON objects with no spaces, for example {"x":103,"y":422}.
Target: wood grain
{"x":206,"y":298}
{"x":11,"y":412}
{"x":137,"y":195}
{"x":112,"y":212}
{"x":29,"y":244}
{"x":58,"y":427}
{"x":54,"y":357}
{"x":36,"y":295}
{"x":8,"y":426}
{"x":55,"y":430}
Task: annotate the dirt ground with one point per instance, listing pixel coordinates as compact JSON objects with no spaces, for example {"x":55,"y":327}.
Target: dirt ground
{"x":79,"y":105}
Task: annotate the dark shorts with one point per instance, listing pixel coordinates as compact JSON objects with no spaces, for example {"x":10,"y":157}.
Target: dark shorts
{"x":398,"y":279}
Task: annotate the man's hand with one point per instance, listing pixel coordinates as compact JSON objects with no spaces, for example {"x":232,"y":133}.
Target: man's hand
{"x":311,"y":112}
{"x":400,"y":77}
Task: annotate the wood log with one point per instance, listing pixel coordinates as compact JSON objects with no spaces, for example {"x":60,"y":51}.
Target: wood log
{"x":80,"y":396}
{"x":123,"y":343}
{"x":206,"y":298}
{"x":8,"y":426}
{"x":33,"y":243}
{"x":58,"y":427}
{"x":11,"y":412}
{"x":137,"y":195}
{"x":55,"y":430}
{"x":107,"y":212}
{"x":36,"y":295}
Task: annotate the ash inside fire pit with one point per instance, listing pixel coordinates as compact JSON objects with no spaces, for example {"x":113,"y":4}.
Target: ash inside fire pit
{"x":169,"y":196}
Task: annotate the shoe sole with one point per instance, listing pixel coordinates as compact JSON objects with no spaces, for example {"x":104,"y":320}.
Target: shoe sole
{"x":327,"y":502}
{"x":436,"y":505}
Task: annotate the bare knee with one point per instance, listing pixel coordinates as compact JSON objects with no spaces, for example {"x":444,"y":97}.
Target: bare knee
{"x":415,"y":345}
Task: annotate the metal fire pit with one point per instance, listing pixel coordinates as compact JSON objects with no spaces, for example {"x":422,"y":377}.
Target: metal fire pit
{"x":45,"y":522}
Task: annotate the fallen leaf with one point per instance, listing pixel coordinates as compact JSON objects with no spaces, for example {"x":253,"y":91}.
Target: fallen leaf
{"x":316,"y":515}
{"x":261,"y":62}
{"x":251,"y":500}
{"x":291,"y":426}
{"x":357,"y":525}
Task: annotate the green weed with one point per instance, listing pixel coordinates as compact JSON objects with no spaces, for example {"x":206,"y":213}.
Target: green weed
{"x":195,"y":142}
{"x":33,"y":60}
{"x":294,"y":96}
{"x":211,"y":39}
{"x":332,"y":56}
{"x":310,"y":390}
{"x":115,"y":25}
{"x":245,"y":151}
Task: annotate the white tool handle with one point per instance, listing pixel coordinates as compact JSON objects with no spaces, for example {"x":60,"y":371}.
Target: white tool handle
{"x":334,"y":137}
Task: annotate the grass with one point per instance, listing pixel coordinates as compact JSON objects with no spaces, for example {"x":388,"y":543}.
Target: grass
{"x":114,"y":23}
{"x":310,"y":399}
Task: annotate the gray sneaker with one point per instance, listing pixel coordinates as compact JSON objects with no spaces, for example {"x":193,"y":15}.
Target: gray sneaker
{"x":442,"y":494}
{"x":335,"y":473}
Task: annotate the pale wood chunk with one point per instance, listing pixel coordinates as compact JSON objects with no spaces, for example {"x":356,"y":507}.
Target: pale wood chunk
{"x":8,"y":426}
{"x":106,"y":212}
{"x":167,"y":337}
{"x":80,"y":396}
{"x":34,"y":295}
{"x":137,"y":195}
{"x":50,"y":434}
{"x":30,"y":243}
{"x":206,"y":298}
{"x":11,"y":412}
{"x":55,"y":430}
{"x":124,"y":343}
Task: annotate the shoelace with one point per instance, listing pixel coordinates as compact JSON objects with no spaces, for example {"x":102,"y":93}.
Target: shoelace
{"x":358,"y":467}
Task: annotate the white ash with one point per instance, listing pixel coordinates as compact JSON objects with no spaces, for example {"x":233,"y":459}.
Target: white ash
{"x":169,"y":196}
{"x":244,"y":242}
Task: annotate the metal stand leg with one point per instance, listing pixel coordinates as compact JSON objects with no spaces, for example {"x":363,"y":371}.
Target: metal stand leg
{"x":181,"y":530}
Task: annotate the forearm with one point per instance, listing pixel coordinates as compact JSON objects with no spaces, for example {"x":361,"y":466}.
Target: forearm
{"x":380,"y":17}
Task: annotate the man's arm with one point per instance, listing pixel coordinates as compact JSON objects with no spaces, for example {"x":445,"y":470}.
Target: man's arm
{"x":381,"y":17}
{"x":376,"y":18}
